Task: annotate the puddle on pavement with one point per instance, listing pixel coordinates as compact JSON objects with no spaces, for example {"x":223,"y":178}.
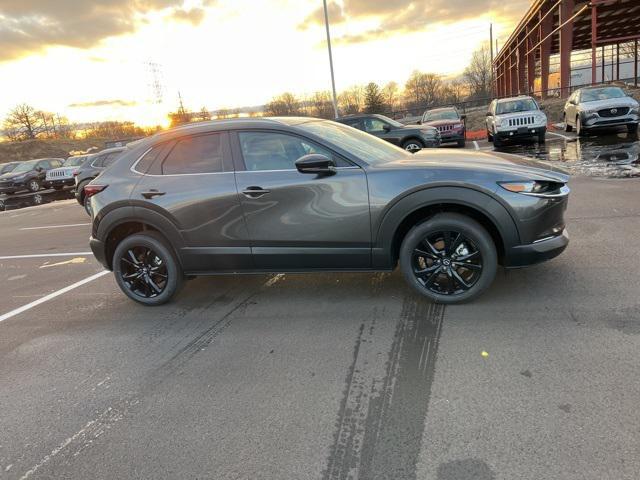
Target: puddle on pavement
{"x":611,"y":155}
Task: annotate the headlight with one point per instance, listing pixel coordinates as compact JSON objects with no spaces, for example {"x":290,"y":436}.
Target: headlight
{"x":635,"y":110}
{"x":498,"y":121}
{"x":533,"y":187}
{"x":541,"y":119}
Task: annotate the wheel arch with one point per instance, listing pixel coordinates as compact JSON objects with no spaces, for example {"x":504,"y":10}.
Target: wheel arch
{"x":419,"y":206}
{"x":124,"y":221}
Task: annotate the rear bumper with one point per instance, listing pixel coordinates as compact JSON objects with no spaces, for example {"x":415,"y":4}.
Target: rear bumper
{"x":524,"y":255}
{"x":99,"y":251}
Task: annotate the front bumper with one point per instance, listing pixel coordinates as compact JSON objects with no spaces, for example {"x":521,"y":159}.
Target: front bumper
{"x":540,"y":251}
{"x":451,"y":137}
{"x":520,"y":133}
{"x":99,"y":251}
{"x":62,"y":182}
{"x":593,"y":121}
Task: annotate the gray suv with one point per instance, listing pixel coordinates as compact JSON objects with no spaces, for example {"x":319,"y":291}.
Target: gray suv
{"x":301,"y":194}
{"x":600,"y":107}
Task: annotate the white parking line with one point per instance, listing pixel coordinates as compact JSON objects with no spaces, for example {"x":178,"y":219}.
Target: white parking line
{"x":559,"y":135}
{"x":45,"y":255}
{"x":475,"y":145}
{"x":56,"y":226}
{"x":46,"y":298}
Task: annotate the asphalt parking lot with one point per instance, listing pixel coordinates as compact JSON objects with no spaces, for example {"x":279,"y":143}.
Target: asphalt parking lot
{"x":323,"y":376}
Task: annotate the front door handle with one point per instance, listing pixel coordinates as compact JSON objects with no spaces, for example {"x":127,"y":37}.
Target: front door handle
{"x":255,"y":192}
{"x":152,"y":193}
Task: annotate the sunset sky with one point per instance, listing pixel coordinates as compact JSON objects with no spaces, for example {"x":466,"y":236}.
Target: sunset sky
{"x":88,"y":60}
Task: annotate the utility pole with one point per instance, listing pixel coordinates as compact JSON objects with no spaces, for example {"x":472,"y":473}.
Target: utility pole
{"x":333,"y":80}
{"x":491,"y":47}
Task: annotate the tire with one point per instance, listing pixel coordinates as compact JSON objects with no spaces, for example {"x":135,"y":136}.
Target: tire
{"x":567,"y":127}
{"x":134,"y":261}
{"x":462,"y":143}
{"x":542,"y":138}
{"x":579,"y":130}
{"x":437,"y":280}
{"x":34,"y":185}
{"x":412,"y":145}
{"x":496,"y":141}
{"x":86,"y":203}
{"x":80,"y":188}
{"x":489,"y":137}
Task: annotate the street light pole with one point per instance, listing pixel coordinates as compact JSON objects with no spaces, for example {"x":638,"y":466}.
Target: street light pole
{"x":333,"y":81}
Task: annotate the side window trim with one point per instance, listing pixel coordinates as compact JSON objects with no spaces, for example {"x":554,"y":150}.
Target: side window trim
{"x":169,"y":145}
{"x":238,"y":157}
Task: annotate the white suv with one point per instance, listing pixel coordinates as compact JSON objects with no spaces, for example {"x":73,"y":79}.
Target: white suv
{"x":515,"y":118}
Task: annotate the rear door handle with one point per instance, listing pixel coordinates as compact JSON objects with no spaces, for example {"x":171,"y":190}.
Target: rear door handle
{"x":255,"y":192}
{"x":152,"y":193}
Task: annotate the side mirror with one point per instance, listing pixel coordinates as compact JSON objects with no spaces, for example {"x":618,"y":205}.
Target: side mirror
{"x":39,"y":169}
{"x":386,"y":128}
{"x":463,"y":117}
{"x":542,"y":108}
{"x":316,"y":163}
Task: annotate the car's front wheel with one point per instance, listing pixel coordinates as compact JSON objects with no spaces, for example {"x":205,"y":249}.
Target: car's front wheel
{"x":33,"y":185}
{"x":567,"y":127}
{"x":146,"y":269}
{"x":449,"y":258}
{"x":412,"y":145}
{"x":579,"y":129}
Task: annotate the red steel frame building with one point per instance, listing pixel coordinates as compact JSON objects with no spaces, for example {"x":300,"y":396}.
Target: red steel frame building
{"x":559,"y":27}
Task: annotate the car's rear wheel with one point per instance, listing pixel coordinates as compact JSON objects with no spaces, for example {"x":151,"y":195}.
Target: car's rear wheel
{"x":86,"y":203}
{"x":496,"y":141}
{"x":146,"y":269}
{"x":412,"y":145}
{"x":33,"y":185}
{"x":567,"y":127}
{"x":449,"y":258}
{"x":579,"y":129}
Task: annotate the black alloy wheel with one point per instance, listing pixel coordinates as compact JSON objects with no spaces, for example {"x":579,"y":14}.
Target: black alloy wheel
{"x":447,"y":263}
{"x":146,"y":270}
{"x":449,"y":258}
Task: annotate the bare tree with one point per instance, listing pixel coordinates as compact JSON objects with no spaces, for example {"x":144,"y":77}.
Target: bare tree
{"x":351,"y":100}
{"x":391,"y":93}
{"x":321,"y":105}
{"x":24,"y":123}
{"x":454,"y":91}
{"x":423,"y":89}
{"x":478,"y":73}
{"x":283,"y":105}
{"x":373,"y":98}
{"x":203,"y":115}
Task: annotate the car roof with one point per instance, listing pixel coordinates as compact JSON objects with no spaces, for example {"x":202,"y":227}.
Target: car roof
{"x":441,"y":109}
{"x":511,"y":99}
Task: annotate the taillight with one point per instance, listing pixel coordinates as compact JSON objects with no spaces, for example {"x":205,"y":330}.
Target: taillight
{"x":90,"y":190}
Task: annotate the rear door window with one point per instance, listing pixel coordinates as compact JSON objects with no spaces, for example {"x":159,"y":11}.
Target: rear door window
{"x":198,"y":154}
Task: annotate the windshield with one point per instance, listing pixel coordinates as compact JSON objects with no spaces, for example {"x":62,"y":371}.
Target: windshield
{"x":391,"y":121}
{"x":74,"y":161}
{"x":25,"y":167}
{"x":513,"y":106}
{"x":441,"y":115}
{"x":8,"y":168}
{"x":605,"y":93}
{"x":369,"y":148}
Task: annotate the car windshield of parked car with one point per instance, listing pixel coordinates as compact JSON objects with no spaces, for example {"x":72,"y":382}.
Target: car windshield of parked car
{"x":74,"y":161}
{"x":394,"y":123}
{"x":369,"y":148}
{"x":606,"y":93}
{"x":514,"y":106}
{"x":441,"y":115}
{"x":25,"y":167}
{"x":8,"y":168}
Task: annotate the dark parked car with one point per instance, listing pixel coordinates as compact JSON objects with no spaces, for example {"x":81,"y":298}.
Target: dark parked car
{"x":91,"y":168}
{"x":28,"y":175}
{"x":409,"y":137}
{"x":300,"y":194}
{"x":449,"y":123}
{"x":8,"y":167}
